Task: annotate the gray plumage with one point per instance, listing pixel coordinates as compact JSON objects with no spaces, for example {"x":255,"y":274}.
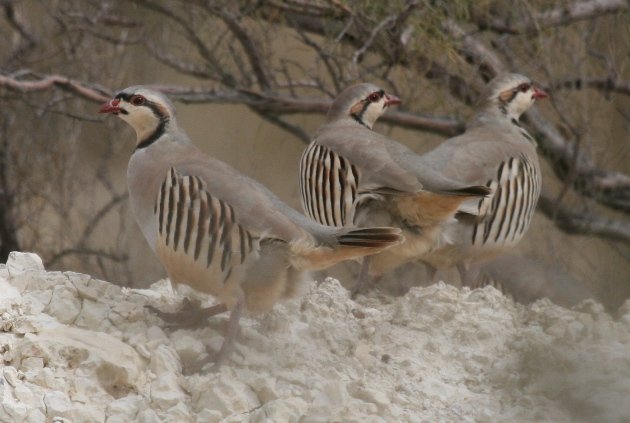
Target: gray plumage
{"x":350,"y":174}
{"x":495,"y":151}
{"x":215,"y":229}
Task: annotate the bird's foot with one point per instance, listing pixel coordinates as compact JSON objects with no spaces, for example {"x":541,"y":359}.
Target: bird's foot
{"x":216,"y":358}
{"x":190,"y":315}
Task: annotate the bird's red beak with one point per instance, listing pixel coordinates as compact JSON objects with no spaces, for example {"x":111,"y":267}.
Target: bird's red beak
{"x":540,"y":93}
{"x":111,"y":107}
{"x":391,"y":100}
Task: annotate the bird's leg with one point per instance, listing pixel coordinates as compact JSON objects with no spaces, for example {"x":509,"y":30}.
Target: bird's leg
{"x":432,"y":273}
{"x":363,"y":281}
{"x":227,"y":348}
{"x":189,"y":315}
{"x":466,"y":275}
{"x":230,"y":334}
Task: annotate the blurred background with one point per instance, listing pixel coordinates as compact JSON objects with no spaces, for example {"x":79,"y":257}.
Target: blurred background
{"x":252,"y":81}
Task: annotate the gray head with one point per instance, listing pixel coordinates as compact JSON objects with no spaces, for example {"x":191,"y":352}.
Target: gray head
{"x":363,"y":102}
{"x":149,"y":112}
{"x":510,"y":93}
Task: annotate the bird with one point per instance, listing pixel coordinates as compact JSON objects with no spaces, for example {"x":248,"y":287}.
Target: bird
{"x":496,"y":151}
{"x":352,"y":175}
{"x":217,"y":230}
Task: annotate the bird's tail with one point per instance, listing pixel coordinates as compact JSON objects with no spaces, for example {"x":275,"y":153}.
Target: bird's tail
{"x":427,"y":209}
{"x":470,"y":191}
{"x":472,"y":199}
{"x":351,"y":243}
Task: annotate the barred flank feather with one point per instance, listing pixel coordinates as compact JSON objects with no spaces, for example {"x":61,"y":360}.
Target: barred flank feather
{"x":328,"y":186}
{"x":517,"y":188}
{"x":191,"y":221}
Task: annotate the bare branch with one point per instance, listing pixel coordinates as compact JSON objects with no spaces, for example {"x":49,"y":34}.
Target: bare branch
{"x":179,"y":65}
{"x":247,"y":43}
{"x":89,"y":92}
{"x":278,"y":104}
{"x":605,"y":84}
{"x":211,"y":60}
{"x":358,"y":55}
{"x":100,"y":215}
{"x":29,"y":40}
{"x":607,"y":187}
{"x":584,"y":223}
{"x":264,"y":102}
{"x":475,"y":51}
{"x":559,"y":16}
{"x":118,"y":258}
{"x":9,"y":13}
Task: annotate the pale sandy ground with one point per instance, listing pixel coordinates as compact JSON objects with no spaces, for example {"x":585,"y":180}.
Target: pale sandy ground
{"x":77,"y":349}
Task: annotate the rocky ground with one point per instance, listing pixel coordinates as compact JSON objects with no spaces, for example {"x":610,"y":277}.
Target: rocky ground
{"x":77,"y":349}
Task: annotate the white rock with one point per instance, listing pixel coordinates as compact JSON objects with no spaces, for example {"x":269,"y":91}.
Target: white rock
{"x":178,"y":413}
{"x":209,"y":416}
{"x":34,"y":302}
{"x":148,"y":416}
{"x":64,"y":304}
{"x":91,"y":315}
{"x":21,"y":262}
{"x":189,"y":348}
{"x":165,"y":360}
{"x":281,"y":410}
{"x":166,"y":392}
{"x":436,"y":354}
{"x":113,"y":364}
{"x":35,"y":416}
{"x":57,"y":404}
{"x":123,"y":409}
{"x":10,"y":297}
{"x":222,"y":393}
{"x":11,"y":376}
{"x":31,"y":363}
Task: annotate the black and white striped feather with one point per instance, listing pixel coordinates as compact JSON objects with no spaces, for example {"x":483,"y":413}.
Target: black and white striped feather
{"x":509,"y":211}
{"x":201,"y":226}
{"x":328,"y":186}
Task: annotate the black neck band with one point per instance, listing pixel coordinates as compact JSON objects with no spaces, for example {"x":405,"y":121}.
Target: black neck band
{"x":154,"y":136}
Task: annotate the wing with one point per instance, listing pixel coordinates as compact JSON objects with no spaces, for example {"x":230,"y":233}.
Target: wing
{"x":507,"y":214}
{"x":370,"y":152}
{"x":343,"y":165}
{"x":328,"y":186}
{"x":202,"y":228}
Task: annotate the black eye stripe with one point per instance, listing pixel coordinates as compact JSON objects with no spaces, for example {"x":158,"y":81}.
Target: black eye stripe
{"x":129,"y":97}
{"x":123,"y":96}
{"x":375,"y":96}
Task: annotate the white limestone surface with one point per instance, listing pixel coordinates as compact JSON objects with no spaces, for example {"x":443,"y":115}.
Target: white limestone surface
{"x":77,"y":349}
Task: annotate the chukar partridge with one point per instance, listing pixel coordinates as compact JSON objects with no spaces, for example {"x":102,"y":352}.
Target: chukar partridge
{"x":217,"y":230}
{"x":351,"y":175}
{"x":498,"y":152}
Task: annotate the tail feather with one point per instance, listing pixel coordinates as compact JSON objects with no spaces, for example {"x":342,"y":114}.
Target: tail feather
{"x":352,"y":244}
{"x":370,"y":237}
{"x":471,"y":191}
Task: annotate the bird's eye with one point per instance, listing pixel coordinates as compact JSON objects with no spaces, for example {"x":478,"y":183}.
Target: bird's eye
{"x":137,"y":100}
{"x":374,"y":97}
{"x":524,"y":87}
